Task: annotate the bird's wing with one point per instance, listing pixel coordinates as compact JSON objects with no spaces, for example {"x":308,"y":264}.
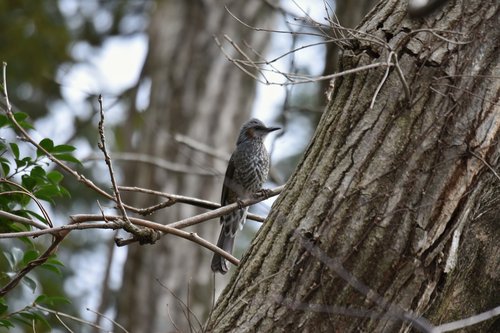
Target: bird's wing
{"x":226,"y":197}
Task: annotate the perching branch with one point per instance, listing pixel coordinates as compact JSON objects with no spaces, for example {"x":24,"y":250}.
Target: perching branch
{"x":172,"y":199}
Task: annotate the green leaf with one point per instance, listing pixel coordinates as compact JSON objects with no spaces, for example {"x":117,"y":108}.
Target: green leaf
{"x":14,"y":256}
{"x":28,"y":182}
{"x":29,"y":256}
{"x":64,"y":192}
{"x":47,"y":192}
{"x":5,"y":166}
{"x":37,"y":172}
{"x":67,"y":157}
{"x":40,"y":318}
{"x":23,"y":162}
{"x":6,"y":323}
{"x":21,"y":117}
{"x":55,"y":177}
{"x":51,"y":300}
{"x":46,"y":144}
{"x":63,"y":149}
{"x":41,"y":299}
{"x":29,"y":282}
{"x":51,"y":268}
{"x":4,"y":121}
{"x":19,"y":318}
{"x":3,"y":306}
{"x":54,"y":261}
{"x":35,"y":215}
{"x":15,"y":149}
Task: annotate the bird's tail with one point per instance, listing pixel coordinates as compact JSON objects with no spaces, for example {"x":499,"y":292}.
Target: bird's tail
{"x":225,"y":242}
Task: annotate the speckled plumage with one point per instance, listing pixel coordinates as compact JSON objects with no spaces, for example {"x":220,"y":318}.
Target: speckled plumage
{"x":246,"y":173}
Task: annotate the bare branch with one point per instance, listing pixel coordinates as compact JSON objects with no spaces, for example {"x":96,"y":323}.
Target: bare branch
{"x":4,"y":82}
{"x":107,"y":318}
{"x":175,"y":198}
{"x":65,"y":315}
{"x":223,"y":210}
{"x":145,"y":236}
{"x":386,"y":74}
{"x":65,"y":228}
{"x":23,"y":220}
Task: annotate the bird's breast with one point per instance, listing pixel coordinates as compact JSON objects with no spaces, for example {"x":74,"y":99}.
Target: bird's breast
{"x":251,"y":168}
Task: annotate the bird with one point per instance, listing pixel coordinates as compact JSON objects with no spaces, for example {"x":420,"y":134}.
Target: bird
{"x":246,"y":173}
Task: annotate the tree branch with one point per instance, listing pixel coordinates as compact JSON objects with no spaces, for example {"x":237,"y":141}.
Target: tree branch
{"x":145,"y":236}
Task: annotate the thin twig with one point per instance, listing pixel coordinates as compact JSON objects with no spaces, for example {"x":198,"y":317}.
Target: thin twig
{"x":110,"y":319}
{"x":62,"y":314}
{"x":65,"y":228}
{"x":183,"y":305}
{"x":145,"y":236}
{"x":236,"y":63}
{"x":63,"y":323}
{"x":435,"y":32}
{"x":406,"y":87}
{"x":23,"y":220}
{"x":107,"y":159}
{"x":485,"y":163}
{"x":250,"y":61}
{"x":386,"y":74}
{"x":32,"y":196}
{"x":6,"y":95}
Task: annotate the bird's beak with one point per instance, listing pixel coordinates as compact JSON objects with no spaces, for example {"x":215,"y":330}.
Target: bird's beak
{"x":272,"y":129}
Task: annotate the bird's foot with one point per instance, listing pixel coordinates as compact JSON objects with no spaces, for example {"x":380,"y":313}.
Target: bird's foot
{"x":263,"y":193}
{"x":239,"y":202}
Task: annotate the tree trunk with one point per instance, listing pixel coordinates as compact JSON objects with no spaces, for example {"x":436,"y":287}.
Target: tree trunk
{"x":198,"y":93}
{"x":392,"y":208}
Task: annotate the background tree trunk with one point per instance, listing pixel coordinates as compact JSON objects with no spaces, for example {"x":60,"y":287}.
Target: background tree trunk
{"x":195,"y":92}
{"x":398,"y":198}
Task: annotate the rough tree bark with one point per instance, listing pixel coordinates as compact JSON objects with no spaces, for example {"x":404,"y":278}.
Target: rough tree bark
{"x":195,"y":92}
{"x":399,"y":198}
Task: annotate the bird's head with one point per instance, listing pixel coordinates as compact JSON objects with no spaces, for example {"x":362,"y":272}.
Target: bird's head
{"x":254,"y":129}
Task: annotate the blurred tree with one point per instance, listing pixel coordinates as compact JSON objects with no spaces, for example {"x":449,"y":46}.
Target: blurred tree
{"x":393,"y":207}
{"x":196,"y":93}
{"x":33,"y":28}
{"x":37,"y":42}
